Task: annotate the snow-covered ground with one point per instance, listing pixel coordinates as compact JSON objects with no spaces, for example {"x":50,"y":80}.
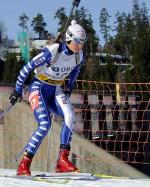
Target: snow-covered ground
{"x":104,"y":182}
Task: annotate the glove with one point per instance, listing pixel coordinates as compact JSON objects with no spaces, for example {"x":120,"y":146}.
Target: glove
{"x":67,"y":93}
{"x":14,"y":97}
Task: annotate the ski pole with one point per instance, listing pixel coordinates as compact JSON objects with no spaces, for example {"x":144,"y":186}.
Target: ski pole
{"x":49,"y":140}
{"x":6,"y":110}
{"x":20,"y":153}
{"x":24,"y":148}
{"x":9,"y":106}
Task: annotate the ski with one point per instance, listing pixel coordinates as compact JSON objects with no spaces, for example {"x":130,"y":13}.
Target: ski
{"x":61,"y":178}
{"x":70,"y":176}
{"x":37,"y":179}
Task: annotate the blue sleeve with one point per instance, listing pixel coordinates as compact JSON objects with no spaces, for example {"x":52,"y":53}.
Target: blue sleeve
{"x":73,"y":76}
{"x":44,"y":57}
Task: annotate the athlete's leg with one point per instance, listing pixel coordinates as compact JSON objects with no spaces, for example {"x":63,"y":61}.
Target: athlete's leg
{"x":39,"y":106}
{"x":40,"y":110}
{"x":65,"y":107}
{"x":66,"y":110}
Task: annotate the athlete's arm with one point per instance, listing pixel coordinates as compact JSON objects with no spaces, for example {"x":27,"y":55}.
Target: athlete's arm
{"x":44,"y":57}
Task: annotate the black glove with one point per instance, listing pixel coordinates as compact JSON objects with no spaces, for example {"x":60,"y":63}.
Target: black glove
{"x":67,"y":93}
{"x":14,"y":97}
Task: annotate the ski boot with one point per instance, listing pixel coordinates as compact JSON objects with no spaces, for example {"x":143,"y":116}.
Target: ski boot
{"x":63,"y":164}
{"x":24,"y":166}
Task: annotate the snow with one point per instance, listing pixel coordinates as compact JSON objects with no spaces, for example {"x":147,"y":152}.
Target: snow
{"x":105,"y":182}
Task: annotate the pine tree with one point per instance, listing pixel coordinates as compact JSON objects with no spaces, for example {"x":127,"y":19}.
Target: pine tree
{"x":23,"y":21}
{"x":39,"y":25}
{"x":104,"y":24}
{"x":141,"y":57}
{"x":62,"y":18}
{"x":11,"y":68}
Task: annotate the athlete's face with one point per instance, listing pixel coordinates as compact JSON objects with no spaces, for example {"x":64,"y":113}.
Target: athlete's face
{"x":75,"y":47}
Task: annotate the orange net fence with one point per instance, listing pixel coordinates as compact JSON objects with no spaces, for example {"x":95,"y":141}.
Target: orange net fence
{"x":115,"y":117}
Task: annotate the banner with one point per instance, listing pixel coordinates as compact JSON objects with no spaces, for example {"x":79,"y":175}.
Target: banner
{"x":24,"y":45}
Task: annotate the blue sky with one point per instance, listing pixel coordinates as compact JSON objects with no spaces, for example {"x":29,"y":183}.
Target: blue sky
{"x":10,"y":10}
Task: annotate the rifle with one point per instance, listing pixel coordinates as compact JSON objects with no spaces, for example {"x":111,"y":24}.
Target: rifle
{"x":60,"y":36}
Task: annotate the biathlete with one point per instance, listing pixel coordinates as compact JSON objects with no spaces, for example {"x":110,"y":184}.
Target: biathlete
{"x":52,"y":66}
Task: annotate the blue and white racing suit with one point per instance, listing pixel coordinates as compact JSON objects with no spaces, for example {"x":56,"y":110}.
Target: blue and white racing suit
{"x":45,"y":93}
